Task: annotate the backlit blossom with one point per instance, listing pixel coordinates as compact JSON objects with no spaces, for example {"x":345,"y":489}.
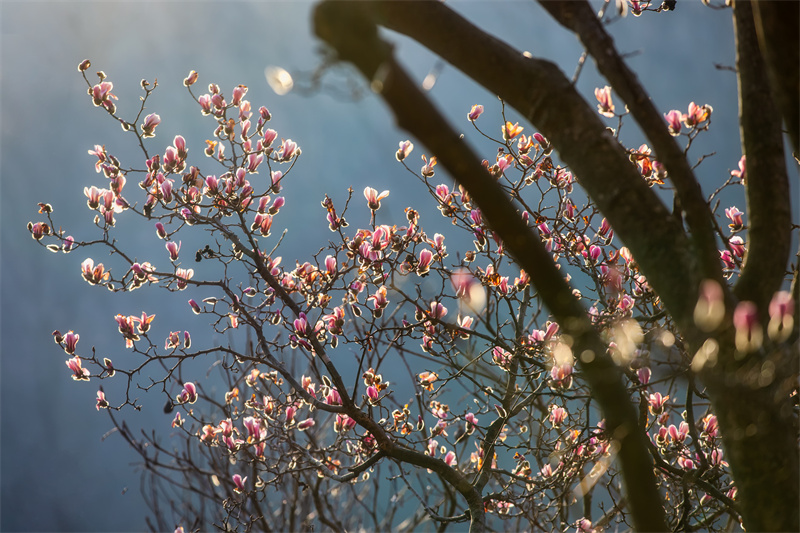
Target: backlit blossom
{"x":288,"y":150}
{"x":511,"y":130}
{"x":188,"y":394}
{"x":606,"y":105}
{"x":424,"y":262}
{"x":91,"y":273}
{"x":102,"y":96}
{"x":190,"y":79}
{"x":39,"y":230}
{"x":173,"y":340}
{"x":183,"y":275}
{"x":427,"y":169}
{"x":696,"y":115}
{"x":742,"y":172}
{"x":656,"y":403}
{"x":557,"y":415}
{"x":239,"y":482}
{"x":78,"y":372}
{"x":127,"y":326}
{"x":373,"y":198}
{"x":475,"y":112}
{"x":735,"y":216}
{"x":149,"y":125}
{"x":674,"y":121}
{"x":173,"y":248}
{"x":70,"y":341}
{"x":101,"y":400}
{"x":405,"y":149}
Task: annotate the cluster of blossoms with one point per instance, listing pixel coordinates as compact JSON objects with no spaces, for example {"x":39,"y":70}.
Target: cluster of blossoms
{"x":480,"y":331}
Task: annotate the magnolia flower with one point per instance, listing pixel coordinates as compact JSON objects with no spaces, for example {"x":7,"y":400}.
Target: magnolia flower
{"x":150,"y":122}
{"x":475,"y":112}
{"x":606,"y":105}
{"x":239,"y":482}
{"x":101,"y":400}
{"x":373,"y":198}
{"x":405,"y":149}
{"x":78,"y":372}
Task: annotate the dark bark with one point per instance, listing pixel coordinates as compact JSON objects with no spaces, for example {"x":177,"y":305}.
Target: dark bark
{"x":755,"y":412}
{"x":579,"y":17}
{"x":540,"y":92}
{"x":769,"y":209}
{"x":347,"y":28}
{"x":778,"y":27}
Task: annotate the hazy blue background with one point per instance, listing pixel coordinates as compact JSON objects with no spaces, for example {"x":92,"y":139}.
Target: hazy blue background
{"x":55,"y":472}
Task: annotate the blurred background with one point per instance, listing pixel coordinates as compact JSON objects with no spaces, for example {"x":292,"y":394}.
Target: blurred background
{"x":57,"y":472}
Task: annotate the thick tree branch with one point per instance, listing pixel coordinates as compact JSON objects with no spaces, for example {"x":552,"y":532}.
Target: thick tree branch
{"x":348,"y":29}
{"x":579,"y":17}
{"x":540,"y":91}
{"x":769,"y":208}
{"x":778,"y":28}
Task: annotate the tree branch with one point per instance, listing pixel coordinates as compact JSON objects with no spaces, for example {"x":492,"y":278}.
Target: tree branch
{"x":769,"y":208}
{"x":778,"y":28}
{"x":348,"y":28}
{"x":542,"y":93}
{"x":579,"y":17}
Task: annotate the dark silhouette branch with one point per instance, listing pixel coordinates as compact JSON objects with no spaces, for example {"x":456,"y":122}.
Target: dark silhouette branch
{"x":579,"y":17}
{"x":778,"y":28}
{"x":542,"y":93}
{"x":350,"y":31}
{"x":769,"y":207}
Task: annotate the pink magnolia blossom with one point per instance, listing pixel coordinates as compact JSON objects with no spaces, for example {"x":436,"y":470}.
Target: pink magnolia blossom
{"x":475,"y":112}
{"x":510,"y":130}
{"x":288,"y":150}
{"x":93,"y":274}
{"x":183,"y":275}
{"x":126,"y":326}
{"x":173,"y":248}
{"x":70,"y":341}
{"x":372,"y":394}
{"x":606,"y":105}
{"x":742,"y":172}
{"x":674,"y":121}
{"x":239,"y":482}
{"x":557,"y":415}
{"x":373,"y":198}
{"x":149,"y":125}
{"x":238,"y":93}
{"x":188,"y":394}
{"x":427,"y":169}
{"x":173,"y":340}
{"x":735,"y":216}
{"x":656,"y":403}
{"x":190,"y":79}
{"x":405,"y":148}
{"x":696,"y":115}
{"x":450,"y":458}
{"x":161,"y":231}
{"x":424,"y":262}
{"x":78,"y":372}
{"x":102,"y":403}
{"x":102,"y":96}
